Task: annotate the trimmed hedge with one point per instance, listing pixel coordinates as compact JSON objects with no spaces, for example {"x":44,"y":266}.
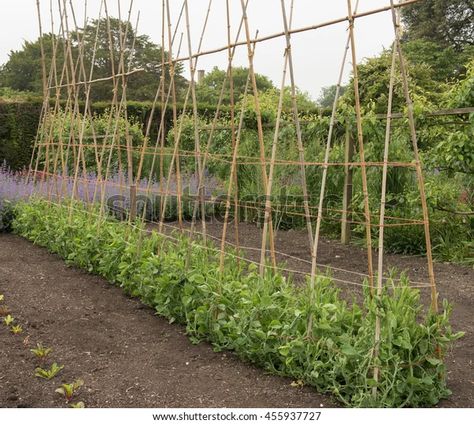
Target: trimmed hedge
{"x":19,"y":124}
{"x":18,"y":127}
{"x":263,"y":319}
{"x":19,"y":120}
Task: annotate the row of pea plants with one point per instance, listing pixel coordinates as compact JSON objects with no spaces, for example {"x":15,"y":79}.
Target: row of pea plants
{"x":264,"y":320}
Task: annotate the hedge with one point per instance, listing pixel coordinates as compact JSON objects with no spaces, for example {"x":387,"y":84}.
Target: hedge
{"x":18,"y":127}
{"x":19,"y":123}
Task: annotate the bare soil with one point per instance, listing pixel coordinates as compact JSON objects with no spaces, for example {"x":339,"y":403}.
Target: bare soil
{"x":129,"y":357}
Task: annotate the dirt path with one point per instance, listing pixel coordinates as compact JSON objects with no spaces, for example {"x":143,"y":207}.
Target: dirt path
{"x":127,"y":356}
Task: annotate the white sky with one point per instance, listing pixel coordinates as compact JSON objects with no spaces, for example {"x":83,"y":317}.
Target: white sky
{"x":317,"y":54}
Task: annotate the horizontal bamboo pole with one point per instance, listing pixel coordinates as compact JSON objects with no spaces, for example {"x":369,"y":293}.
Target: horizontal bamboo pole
{"x":297,"y":30}
{"x":246,"y":160}
{"x":113,"y":77}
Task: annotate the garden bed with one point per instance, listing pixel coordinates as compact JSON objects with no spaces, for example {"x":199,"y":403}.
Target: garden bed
{"x":197,"y":331}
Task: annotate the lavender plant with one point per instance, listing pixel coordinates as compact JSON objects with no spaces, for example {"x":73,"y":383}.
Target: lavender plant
{"x":15,"y":187}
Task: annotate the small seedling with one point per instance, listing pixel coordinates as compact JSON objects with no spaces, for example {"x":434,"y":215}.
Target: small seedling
{"x":16,"y":329}
{"x":48,"y":374}
{"x":8,"y":320}
{"x":68,"y":390}
{"x":78,"y":405}
{"x":297,"y":383}
{"x":40,"y":351}
{"x":2,"y":297}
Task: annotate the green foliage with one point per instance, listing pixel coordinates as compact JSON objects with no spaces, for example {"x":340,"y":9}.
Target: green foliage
{"x":374,"y":79}
{"x":328,"y":94}
{"x":209,"y":88}
{"x":10,"y":95}
{"x":23,"y":70}
{"x":8,"y":320}
{"x":16,"y":329}
{"x":263,"y":319}
{"x":445,"y":63}
{"x":19,"y":120}
{"x":69,"y":390}
{"x":7,"y":214}
{"x":268,"y":104}
{"x":40,"y":351}
{"x":78,"y":405}
{"x":19,"y":123}
{"x":50,"y":373}
{"x":462,"y":91}
{"x":59,"y":127}
{"x":446,"y":22}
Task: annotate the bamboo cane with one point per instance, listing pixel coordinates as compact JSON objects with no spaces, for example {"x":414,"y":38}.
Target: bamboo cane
{"x":259,"y":130}
{"x":419,"y":170}
{"x":382,"y":218}
{"x":360,"y":138}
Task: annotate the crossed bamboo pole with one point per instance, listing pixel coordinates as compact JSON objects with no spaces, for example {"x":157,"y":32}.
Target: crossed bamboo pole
{"x":74,"y":77}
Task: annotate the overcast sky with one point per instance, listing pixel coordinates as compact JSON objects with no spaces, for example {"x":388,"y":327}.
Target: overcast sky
{"x":317,"y":54}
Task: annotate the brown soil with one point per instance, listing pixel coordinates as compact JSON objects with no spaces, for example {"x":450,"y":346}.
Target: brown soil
{"x":128,"y":357}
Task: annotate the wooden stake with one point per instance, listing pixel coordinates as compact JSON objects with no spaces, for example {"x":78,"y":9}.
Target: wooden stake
{"x":360,"y":137}
{"x":296,"y":121}
{"x":260,"y":132}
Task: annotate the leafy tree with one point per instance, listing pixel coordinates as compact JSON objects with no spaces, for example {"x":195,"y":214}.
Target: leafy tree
{"x":328,"y":94}
{"x":23,"y":70}
{"x":209,"y":89}
{"x":145,"y":55}
{"x":446,"y":63}
{"x":454,"y":150}
{"x":445,"y":22}
{"x":269,"y":100}
{"x":374,"y":79}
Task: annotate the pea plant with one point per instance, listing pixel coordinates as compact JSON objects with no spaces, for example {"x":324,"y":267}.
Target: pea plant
{"x":263,"y":319}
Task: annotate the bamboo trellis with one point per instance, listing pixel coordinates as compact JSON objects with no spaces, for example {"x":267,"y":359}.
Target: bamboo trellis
{"x":67,"y":111}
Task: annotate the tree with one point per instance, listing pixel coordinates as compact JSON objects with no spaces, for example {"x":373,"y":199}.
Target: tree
{"x":145,"y":55}
{"x":208,"y":90}
{"x":328,"y":94}
{"x":445,"y":22}
{"x":374,"y":80}
{"x":446,"y":63}
{"x":23,"y":70}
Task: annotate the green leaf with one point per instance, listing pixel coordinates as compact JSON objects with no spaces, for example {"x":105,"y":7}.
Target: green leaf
{"x":284,"y":350}
{"x":434,"y":361}
{"x":349,"y":350}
